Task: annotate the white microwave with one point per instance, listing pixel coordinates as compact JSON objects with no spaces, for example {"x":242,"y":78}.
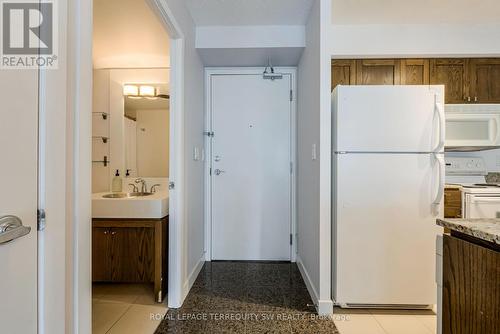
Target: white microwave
{"x":472,"y":127}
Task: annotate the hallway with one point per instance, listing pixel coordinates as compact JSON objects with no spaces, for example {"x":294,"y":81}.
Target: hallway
{"x":247,"y":297}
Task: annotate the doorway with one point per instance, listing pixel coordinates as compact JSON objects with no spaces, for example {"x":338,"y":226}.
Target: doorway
{"x":131,"y":159}
{"x":251,"y":178}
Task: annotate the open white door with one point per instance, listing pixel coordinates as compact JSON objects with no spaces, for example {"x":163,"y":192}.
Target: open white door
{"x":251,"y":159}
{"x":18,"y":198}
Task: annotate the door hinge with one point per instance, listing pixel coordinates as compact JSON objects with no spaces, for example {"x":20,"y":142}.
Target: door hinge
{"x":291,"y":167}
{"x":291,"y":239}
{"x":40,"y":217}
{"x":291,"y":95}
{"x":209,"y":134}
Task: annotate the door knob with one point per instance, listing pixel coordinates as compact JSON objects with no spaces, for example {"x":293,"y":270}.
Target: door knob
{"x":218,"y":171}
{"x":11,"y":227}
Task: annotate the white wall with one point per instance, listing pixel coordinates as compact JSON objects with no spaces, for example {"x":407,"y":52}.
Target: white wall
{"x":128,"y":34}
{"x":414,"y":40}
{"x":192,"y":226}
{"x":152,"y":146}
{"x":314,"y":138}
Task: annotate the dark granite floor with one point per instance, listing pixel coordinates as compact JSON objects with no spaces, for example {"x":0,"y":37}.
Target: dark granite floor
{"x":247,"y":297}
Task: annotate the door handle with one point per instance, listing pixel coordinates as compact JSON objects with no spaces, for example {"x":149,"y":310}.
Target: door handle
{"x":11,"y":227}
{"x":218,"y":171}
{"x":440,"y":192}
{"x":439,"y":109}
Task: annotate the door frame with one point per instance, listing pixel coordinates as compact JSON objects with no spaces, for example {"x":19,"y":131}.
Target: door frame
{"x":76,"y":83}
{"x":213,"y":71}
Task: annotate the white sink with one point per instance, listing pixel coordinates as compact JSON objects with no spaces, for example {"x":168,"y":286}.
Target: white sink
{"x":151,"y":206}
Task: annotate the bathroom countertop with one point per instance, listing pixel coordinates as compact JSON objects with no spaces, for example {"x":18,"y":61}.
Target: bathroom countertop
{"x":154,"y":206}
{"x":484,"y":229}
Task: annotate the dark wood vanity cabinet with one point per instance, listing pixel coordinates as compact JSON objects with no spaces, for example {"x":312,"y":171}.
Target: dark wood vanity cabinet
{"x":131,"y":251}
{"x":471,"y":286}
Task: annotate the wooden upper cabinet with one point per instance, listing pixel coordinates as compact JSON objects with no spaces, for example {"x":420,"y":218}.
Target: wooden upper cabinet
{"x":378,"y":72}
{"x":485,"y":80}
{"x":415,"y":71}
{"x":343,"y":72}
{"x":453,"y":74}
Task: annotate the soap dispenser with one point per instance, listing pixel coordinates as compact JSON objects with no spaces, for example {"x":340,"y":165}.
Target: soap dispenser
{"x":116,"y":185}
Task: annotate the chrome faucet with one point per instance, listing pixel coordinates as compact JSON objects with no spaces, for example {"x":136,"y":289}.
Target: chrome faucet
{"x":153,"y":188}
{"x":143,"y":185}
{"x":134,"y":189}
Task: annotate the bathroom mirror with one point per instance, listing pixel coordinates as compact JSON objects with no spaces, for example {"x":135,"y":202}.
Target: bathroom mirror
{"x":146,"y":130}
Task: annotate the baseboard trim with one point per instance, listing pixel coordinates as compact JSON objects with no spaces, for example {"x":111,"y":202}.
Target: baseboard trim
{"x":323,"y":306}
{"x":188,"y":284}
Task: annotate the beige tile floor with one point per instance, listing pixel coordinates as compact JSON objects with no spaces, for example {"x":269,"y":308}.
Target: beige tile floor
{"x":125,"y":309}
{"x":384,"y":322}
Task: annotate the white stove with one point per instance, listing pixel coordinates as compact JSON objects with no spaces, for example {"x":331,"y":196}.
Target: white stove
{"x":479,"y":198}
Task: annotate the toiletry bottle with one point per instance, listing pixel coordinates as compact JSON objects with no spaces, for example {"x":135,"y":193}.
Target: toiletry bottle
{"x":116,"y":185}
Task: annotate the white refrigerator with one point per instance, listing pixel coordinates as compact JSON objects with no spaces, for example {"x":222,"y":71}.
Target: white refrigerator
{"x":388,"y":184}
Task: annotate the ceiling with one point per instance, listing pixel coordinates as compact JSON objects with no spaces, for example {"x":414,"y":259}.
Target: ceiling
{"x":127,"y":34}
{"x":249,"y":12}
{"x":415,"y":12}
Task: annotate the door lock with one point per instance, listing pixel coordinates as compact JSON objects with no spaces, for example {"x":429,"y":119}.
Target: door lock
{"x":219,"y":172}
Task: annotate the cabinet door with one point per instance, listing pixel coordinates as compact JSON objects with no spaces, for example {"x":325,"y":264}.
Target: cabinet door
{"x":453,"y":74}
{"x":101,"y":254}
{"x":452,"y":203}
{"x":471,"y":289}
{"x":415,"y":72}
{"x":343,"y":72}
{"x":132,"y":254}
{"x":485,"y":80}
{"x":378,"y":72}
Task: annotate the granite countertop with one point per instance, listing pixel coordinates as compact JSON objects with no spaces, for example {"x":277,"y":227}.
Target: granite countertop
{"x":484,"y":229}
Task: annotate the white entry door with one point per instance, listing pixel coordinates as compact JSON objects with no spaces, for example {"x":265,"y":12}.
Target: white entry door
{"x":251,"y":167}
{"x":18,"y":201}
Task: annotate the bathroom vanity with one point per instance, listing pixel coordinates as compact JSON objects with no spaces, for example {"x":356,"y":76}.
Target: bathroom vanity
{"x":130,"y":240}
{"x":131,"y":251}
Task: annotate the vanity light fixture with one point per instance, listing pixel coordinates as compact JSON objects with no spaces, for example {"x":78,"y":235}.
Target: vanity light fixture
{"x":147,"y":91}
{"x":139,"y":91}
{"x":130,"y":90}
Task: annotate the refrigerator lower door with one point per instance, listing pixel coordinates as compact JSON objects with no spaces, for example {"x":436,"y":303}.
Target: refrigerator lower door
{"x":385,"y":229}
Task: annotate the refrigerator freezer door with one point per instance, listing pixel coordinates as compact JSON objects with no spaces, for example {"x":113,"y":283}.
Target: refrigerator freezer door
{"x":385,"y":228}
{"x":388,"y":118}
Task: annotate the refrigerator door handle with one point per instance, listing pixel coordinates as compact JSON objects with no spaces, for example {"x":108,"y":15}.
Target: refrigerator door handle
{"x":440,"y":193}
{"x":439,"y":109}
